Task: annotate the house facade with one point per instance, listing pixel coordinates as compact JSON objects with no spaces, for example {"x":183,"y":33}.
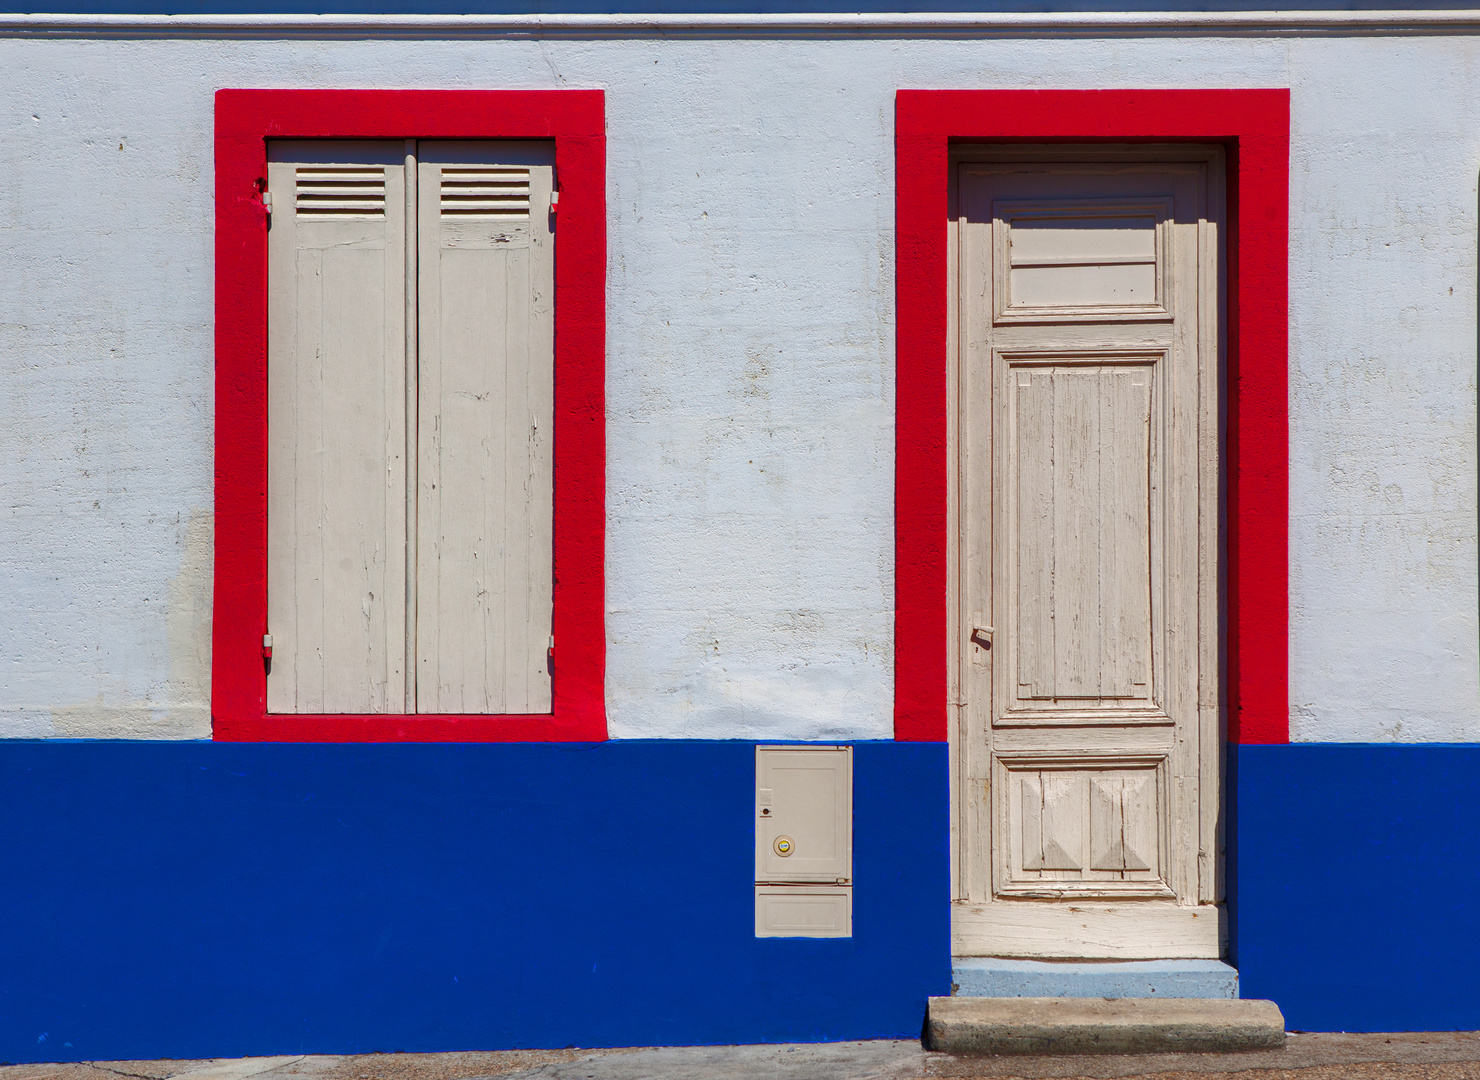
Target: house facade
{"x":665,"y":528}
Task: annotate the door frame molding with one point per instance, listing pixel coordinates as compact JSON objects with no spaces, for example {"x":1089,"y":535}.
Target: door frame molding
{"x":1254,"y":127}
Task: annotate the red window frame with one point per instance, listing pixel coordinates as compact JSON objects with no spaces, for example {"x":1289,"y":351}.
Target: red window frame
{"x":1254,"y":125}
{"x":245,"y":120}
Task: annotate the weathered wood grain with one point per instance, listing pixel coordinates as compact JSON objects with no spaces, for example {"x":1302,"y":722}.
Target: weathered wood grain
{"x":485,"y":514}
{"x":336,"y":457}
{"x":1086,"y":499}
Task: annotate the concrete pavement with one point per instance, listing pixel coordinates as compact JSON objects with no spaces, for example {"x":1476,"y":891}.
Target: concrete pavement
{"x":1424,"y":1056}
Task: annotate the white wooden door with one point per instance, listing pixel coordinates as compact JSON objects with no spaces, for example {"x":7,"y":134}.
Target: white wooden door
{"x":336,"y":384}
{"x":1085,"y":496}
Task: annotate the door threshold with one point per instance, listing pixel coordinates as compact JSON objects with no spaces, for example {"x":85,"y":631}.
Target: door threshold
{"x":991,"y":976}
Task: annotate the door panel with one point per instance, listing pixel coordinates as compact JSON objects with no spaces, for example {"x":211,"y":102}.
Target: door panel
{"x":1085,"y":578}
{"x":1081,"y":531}
{"x":1101,"y":258}
{"x":1081,"y":826}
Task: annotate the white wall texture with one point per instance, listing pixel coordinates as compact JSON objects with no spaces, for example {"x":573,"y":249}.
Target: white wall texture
{"x":750,"y":374}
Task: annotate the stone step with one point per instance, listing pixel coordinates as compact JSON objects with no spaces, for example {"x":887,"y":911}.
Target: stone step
{"x":974,"y":1025}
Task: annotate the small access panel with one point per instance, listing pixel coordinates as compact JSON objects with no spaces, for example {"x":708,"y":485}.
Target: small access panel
{"x":804,"y":841}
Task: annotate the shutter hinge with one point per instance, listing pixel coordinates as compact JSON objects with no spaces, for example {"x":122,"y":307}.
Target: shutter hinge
{"x":551,"y":650}
{"x":554,"y":202}
{"x":267,"y":202}
{"x":267,"y":646}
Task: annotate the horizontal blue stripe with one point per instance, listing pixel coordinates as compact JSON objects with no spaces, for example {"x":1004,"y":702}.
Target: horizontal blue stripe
{"x":201,"y":900}
{"x":1356,"y":874}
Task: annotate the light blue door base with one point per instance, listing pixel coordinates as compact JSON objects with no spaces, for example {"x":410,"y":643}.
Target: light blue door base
{"x":984,"y":976}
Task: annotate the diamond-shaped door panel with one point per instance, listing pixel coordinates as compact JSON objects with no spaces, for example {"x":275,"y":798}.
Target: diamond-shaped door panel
{"x":1122,"y":822}
{"x":1090,"y":827}
{"x":1053,"y":821}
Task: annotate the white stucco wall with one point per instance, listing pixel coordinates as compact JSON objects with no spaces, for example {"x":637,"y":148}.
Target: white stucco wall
{"x":1383,"y":601}
{"x":750,"y":372}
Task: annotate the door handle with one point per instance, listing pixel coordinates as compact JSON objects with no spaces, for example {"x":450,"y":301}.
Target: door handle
{"x":982,"y":636}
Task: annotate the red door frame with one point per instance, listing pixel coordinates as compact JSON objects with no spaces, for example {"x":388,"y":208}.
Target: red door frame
{"x":1254,"y":125}
{"x":245,"y":120}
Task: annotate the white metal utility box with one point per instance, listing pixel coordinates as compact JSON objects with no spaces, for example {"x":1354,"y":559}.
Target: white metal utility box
{"x":804,"y":841}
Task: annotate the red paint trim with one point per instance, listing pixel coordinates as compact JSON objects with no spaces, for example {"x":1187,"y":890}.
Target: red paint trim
{"x":1255,"y":126}
{"x":245,"y":120}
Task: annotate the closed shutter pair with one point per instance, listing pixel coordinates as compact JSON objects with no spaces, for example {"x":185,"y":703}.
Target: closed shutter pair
{"x":410,"y":424}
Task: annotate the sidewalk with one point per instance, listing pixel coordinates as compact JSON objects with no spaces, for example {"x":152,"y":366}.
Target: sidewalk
{"x":1422,"y":1056}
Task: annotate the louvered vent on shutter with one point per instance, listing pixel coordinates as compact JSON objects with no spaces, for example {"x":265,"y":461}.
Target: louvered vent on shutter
{"x":341,"y":192}
{"x":499,"y":194}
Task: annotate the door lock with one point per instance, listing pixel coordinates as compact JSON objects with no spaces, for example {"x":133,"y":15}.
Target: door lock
{"x":982,"y":636}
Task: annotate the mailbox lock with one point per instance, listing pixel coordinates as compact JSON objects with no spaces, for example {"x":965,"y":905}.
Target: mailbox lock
{"x":783,"y":846}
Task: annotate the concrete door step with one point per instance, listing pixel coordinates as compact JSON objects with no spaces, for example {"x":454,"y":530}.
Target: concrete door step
{"x":958,"y":1025}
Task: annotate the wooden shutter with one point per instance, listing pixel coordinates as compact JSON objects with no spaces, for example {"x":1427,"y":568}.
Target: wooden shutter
{"x":336,"y":428}
{"x":486,"y":415}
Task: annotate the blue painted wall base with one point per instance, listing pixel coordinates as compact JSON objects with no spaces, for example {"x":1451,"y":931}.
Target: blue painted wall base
{"x":215,"y":900}
{"x":204,"y":900}
{"x":1355,"y":884}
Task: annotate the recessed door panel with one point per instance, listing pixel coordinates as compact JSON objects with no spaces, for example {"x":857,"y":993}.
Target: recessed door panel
{"x":1081,"y":524}
{"x":1102,"y":258}
{"x":1081,"y":826}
